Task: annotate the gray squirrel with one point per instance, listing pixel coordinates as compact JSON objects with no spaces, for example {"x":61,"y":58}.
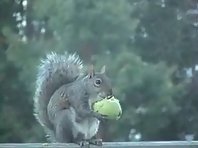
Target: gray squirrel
{"x":64,"y":96}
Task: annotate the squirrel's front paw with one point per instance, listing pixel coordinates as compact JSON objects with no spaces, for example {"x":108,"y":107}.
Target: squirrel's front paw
{"x":97,"y":115}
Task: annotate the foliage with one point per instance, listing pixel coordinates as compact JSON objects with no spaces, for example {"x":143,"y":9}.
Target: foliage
{"x":143,"y":44}
{"x":167,"y":33}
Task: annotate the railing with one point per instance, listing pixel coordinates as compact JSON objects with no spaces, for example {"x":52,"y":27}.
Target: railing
{"x":161,"y":144}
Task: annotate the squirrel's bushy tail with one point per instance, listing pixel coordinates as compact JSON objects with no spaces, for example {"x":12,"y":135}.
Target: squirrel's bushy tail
{"x":54,"y":71}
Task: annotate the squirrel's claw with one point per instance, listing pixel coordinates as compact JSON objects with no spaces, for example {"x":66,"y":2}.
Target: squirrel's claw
{"x":84,"y":144}
{"x":97,"y":115}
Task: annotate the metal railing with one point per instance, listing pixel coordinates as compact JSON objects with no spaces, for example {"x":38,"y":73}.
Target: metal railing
{"x":160,"y":144}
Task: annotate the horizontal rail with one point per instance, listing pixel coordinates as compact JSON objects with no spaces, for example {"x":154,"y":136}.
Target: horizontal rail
{"x":160,"y":144}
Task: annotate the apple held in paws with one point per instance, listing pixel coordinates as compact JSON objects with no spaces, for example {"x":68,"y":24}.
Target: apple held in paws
{"x":108,"y":107}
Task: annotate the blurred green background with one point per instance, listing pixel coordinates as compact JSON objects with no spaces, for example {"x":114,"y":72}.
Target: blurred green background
{"x":150,"y":48}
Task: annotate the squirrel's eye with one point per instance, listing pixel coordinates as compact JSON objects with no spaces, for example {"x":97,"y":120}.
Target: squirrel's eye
{"x":98,"y":82}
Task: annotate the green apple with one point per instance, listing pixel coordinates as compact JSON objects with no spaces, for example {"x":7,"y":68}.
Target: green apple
{"x":110,"y":108}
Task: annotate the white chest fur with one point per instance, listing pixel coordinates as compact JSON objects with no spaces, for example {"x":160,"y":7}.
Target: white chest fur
{"x":88,"y":126}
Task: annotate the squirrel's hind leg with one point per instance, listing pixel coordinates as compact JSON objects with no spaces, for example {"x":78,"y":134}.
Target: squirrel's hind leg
{"x":63,"y":127}
{"x":81,"y":141}
{"x":95,"y":141}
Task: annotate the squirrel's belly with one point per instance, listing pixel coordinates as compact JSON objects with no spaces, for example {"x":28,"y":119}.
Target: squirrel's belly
{"x":88,"y":127}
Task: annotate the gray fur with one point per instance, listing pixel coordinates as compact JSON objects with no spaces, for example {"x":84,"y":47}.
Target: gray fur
{"x":64,"y":96}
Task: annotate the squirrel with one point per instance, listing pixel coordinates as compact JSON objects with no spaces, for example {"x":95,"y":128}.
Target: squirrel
{"x":64,"y":96}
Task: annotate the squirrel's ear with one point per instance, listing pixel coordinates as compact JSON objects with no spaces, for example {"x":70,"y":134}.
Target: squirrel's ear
{"x":91,"y":71}
{"x":103,"y":69}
